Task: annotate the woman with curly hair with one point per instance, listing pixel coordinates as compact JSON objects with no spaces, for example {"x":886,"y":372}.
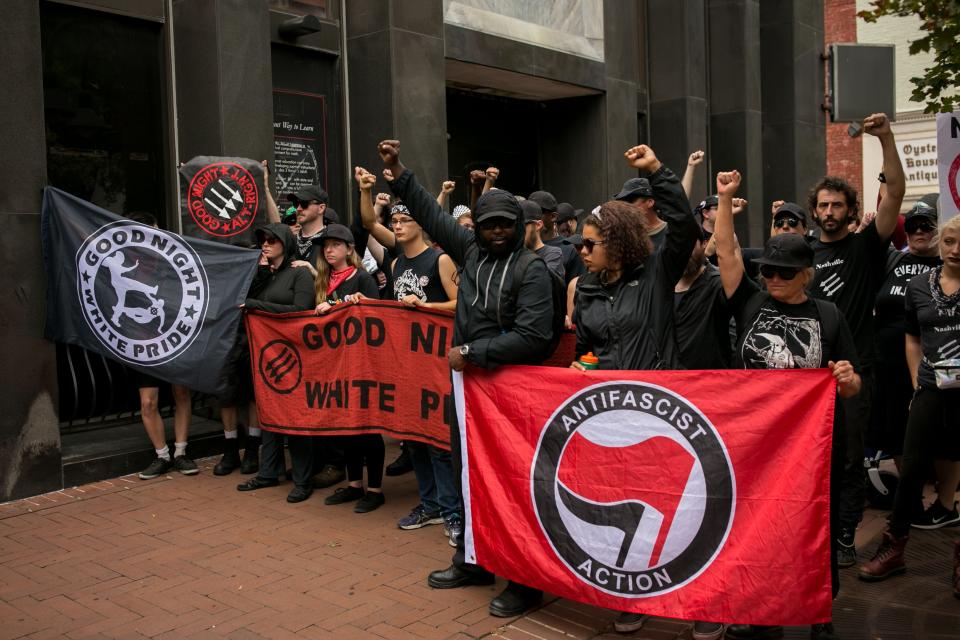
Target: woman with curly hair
{"x":623,"y":307}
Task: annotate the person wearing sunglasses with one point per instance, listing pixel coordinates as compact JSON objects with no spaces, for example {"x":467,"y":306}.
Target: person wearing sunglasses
{"x":421,"y":277}
{"x":788,"y":217}
{"x":932,"y":345}
{"x":782,"y":327}
{"x":623,"y":305}
{"x":892,"y":387}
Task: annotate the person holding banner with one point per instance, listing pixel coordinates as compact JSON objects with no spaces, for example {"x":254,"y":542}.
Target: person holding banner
{"x":341,"y":279}
{"x":279,"y":287}
{"x":933,"y":427}
{"x":634,"y":331}
{"x":496,"y":322}
{"x":421,"y":277}
{"x":783,"y":328}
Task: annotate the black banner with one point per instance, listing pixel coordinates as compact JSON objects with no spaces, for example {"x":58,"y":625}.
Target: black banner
{"x":163,"y":304}
{"x":222,"y":199}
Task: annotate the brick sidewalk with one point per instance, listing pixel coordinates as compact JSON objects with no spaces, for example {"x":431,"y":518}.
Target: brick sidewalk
{"x":181,"y":557}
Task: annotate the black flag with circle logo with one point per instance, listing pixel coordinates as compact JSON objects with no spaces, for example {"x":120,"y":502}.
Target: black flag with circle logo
{"x":163,"y":304}
{"x":222,"y":199}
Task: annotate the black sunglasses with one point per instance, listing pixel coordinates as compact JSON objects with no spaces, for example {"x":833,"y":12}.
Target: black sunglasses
{"x":495,"y":223}
{"x":589,"y":244}
{"x":786,"y":221}
{"x":785,"y":273}
{"x":919,"y":226}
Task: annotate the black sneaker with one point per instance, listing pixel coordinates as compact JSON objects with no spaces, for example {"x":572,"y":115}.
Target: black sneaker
{"x":846,"y":551}
{"x":185,"y":465}
{"x":936,"y":516}
{"x":370,"y":501}
{"x":419,"y":517}
{"x":158,"y":467}
{"x":823,"y":631}
{"x":453,"y":528}
{"x":403,"y":464}
{"x":344,"y":494}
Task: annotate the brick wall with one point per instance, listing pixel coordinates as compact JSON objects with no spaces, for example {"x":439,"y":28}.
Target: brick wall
{"x":844,"y":154}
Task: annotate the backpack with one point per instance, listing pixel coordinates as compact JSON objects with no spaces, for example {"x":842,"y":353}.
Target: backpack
{"x":558,"y":292}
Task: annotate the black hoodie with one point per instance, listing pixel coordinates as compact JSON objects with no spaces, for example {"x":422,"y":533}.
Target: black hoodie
{"x":498,"y":328}
{"x":286,"y":289}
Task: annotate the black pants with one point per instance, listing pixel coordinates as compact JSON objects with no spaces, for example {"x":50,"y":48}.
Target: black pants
{"x":366,"y":449}
{"x":272,"y":462}
{"x":933,"y":433}
{"x":853,"y":478}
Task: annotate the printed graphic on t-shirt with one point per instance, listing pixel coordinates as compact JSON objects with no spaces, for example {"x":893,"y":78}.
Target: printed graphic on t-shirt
{"x":949,"y":350}
{"x":776,"y":341}
{"x":831,"y":285}
{"x":408,"y":283}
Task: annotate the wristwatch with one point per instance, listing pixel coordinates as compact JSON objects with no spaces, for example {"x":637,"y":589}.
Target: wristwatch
{"x":464,"y":350}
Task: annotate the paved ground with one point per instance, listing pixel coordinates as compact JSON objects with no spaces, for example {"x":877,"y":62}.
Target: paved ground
{"x":181,"y":557}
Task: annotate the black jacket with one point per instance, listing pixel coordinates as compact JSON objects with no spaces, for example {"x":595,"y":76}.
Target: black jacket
{"x":286,"y":289}
{"x":499,"y":329}
{"x":629,"y":324}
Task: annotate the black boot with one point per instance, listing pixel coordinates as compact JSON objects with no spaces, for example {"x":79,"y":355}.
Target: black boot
{"x":230,"y":459}
{"x":251,"y":456}
{"x":403,"y":464}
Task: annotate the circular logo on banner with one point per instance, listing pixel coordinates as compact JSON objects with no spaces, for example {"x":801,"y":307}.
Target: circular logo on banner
{"x":952,"y":180}
{"x":633,"y":488}
{"x":280,"y":366}
{"x":143,"y":291}
{"x":223,"y":198}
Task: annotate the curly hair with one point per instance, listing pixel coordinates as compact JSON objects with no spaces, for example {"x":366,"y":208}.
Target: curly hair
{"x":835,"y":183}
{"x":624,"y":233}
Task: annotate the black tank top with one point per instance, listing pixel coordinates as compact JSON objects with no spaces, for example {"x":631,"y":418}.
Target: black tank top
{"x":419,"y":276}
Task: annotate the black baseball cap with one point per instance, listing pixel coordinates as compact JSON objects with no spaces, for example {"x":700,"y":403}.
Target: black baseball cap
{"x":565,"y":211}
{"x":925,"y":207}
{"x":545,"y":199}
{"x":496,"y":204}
{"x":532,"y":212}
{"x":334,"y":232}
{"x":787,"y":250}
{"x":576,"y":240}
{"x":308,"y":194}
{"x":635,"y":188}
{"x":793,"y":210}
{"x":330,"y":216}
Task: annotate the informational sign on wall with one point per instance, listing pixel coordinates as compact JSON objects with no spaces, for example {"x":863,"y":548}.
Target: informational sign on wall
{"x":299,"y":140}
{"x":919,"y":157}
{"x":948,"y":160}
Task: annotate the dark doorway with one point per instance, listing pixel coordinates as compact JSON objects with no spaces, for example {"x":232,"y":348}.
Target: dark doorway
{"x":103,"y":106}
{"x":307,"y":124}
{"x":485,"y":130}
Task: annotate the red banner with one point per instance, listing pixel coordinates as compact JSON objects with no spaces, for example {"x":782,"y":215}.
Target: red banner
{"x":376,"y":367}
{"x":660,"y":492}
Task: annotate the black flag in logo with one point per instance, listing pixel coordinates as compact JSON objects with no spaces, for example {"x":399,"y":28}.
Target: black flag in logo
{"x":161,"y":303}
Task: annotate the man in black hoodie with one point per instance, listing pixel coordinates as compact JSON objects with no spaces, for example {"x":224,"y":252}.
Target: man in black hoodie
{"x":491,"y":326}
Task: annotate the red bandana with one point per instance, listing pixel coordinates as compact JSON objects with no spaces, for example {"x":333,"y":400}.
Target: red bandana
{"x":337,"y":278}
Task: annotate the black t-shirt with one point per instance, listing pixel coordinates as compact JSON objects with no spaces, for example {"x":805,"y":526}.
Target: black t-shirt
{"x":419,"y":276}
{"x":359,"y":282}
{"x":572,"y":264}
{"x":658,"y":237}
{"x":849,"y":273}
{"x":937,"y":326}
{"x":776,"y":335}
{"x":553,"y":256}
{"x":890,"y":300}
{"x":701,"y":319}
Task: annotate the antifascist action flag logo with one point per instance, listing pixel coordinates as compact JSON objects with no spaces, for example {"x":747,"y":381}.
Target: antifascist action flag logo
{"x":633,"y":488}
{"x":143,"y":291}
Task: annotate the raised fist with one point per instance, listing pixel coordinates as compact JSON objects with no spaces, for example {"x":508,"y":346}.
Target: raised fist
{"x":728,"y":182}
{"x":739,"y":204}
{"x":642,"y":157}
{"x":776,"y":206}
{"x":365,"y":179}
{"x":389,"y":151}
{"x":382,"y":199}
{"x":695,"y":158}
{"x":388,"y":175}
{"x":477,"y":176}
{"x":492,"y":173}
{"x":877,"y":124}
{"x":448,"y":186}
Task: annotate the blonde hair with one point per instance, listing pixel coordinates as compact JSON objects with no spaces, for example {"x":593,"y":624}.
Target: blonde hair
{"x":953,"y":224}
{"x":323,"y":271}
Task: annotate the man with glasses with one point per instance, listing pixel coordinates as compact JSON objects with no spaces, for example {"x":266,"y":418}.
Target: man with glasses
{"x":313,"y":215}
{"x":849,"y":272}
{"x":788,"y":217}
